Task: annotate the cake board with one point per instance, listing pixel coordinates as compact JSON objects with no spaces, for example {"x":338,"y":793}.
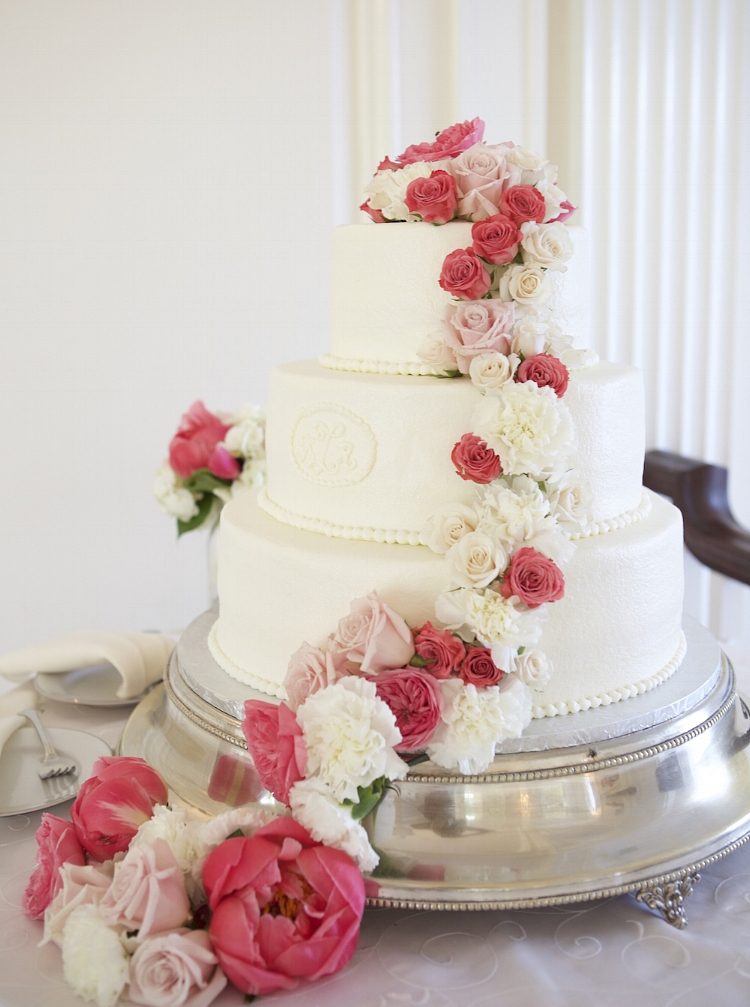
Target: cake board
{"x":636,"y":797}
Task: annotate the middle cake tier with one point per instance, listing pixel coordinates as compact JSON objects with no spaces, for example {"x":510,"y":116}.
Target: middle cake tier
{"x":363,"y":456}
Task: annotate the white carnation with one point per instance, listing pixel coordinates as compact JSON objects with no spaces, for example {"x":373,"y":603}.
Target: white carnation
{"x":350,"y":735}
{"x":95,"y":962}
{"x":245,"y":438}
{"x":330,"y":823}
{"x":174,"y":500}
{"x":488,"y":616}
{"x":514,"y":511}
{"x":253,"y":474}
{"x":547,"y":245}
{"x":490,"y":372}
{"x":534,"y":669}
{"x":386,"y":191}
{"x":530,"y":429}
{"x":525,"y":284}
{"x":174,"y":826}
{"x":434,"y":350}
{"x":476,"y":560}
{"x":448,"y":525}
{"x":554,"y":197}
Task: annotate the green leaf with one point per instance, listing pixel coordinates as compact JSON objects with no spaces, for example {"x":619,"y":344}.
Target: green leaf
{"x":203,"y":481}
{"x":368,"y":798}
{"x":521,"y":650}
{"x":205,"y":505}
{"x":419,"y":662}
{"x":449,"y":374}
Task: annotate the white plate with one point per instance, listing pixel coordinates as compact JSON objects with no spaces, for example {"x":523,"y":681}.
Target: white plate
{"x":96,"y":685}
{"x":21,"y":790}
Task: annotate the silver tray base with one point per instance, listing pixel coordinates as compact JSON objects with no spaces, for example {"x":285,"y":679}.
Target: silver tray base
{"x":637,"y":797}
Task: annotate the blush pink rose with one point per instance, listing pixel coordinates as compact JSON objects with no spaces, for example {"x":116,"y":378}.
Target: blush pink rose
{"x":448,"y":143}
{"x":479,"y":669}
{"x":147,"y":892}
{"x":373,"y":636}
{"x":546,"y":371}
{"x":415,"y":700}
{"x":441,"y":650}
{"x":476,"y":327}
{"x":534,"y":578}
{"x":311,"y":669}
{"x":475,"y":461}
{"x":117,"y":798}
{"x":482,"y":174}
{"x":522,"y":203}
{"x":283,"y":907}
{"x":56,"y":844}
{"x":433,"y":198}
{"x":176,"y":969}
{"x":81,"y":885}
{"x":274,"y":739}
{"x":196,"y":444}
{"x":496,"y":239}
{"x":464,"y":275}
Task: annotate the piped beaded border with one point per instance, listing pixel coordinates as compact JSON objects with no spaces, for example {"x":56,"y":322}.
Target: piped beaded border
{"x":408,"y":368}
{"x":240,"y":674}
{"x":623,"y":520}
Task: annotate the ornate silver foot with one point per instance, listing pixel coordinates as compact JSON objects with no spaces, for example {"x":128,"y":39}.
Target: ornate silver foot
{"x":669,"y":899}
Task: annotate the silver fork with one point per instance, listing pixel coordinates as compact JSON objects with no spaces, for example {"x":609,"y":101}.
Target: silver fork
{"x":52,"y":763}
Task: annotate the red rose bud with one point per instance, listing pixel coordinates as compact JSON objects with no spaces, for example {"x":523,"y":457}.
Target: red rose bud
{"x":496,"y":239}
{"x":546,"y":371}
{"x":522,"y":203}
{"x":479,"y":669}
{"x":464,"y":275}
{"x":475,"y":461}
{"x":433,"y":198}
{"x":534,"y":578}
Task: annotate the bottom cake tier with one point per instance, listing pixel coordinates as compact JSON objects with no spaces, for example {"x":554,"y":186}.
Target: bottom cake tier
{"x":616,"y":634}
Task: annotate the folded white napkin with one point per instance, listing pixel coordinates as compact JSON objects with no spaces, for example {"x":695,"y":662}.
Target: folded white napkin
{"x":140,"y":658}
{"x":11,"y":702}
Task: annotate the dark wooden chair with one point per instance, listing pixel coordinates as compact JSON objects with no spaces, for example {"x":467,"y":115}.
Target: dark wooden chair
{"x":700,"y":491}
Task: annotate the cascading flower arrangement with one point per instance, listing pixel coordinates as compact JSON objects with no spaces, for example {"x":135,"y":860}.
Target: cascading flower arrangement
{"x":210,"y":455}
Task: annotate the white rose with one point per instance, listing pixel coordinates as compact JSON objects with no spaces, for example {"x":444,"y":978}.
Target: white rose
{"x":174,"y":500}
{"x":513,"y":512}
{"x":491,"y":371}
{"x":534,"y":669}
{"x":245,"y":438}
{"x":525,"y":284}
{"x":571,"y":503}
{"x":350,"y":736}
{"x":533,"y":167}
{"x":529,"y":427}
{"x":434,"y":350}
{"x":386,"y":191}
{"x":533,"y":331}
{"x":476,"y":560}
{"x":330,"y":823}
{"x":448,"y":525}
{"x":95,"y":962}
{"x":548,"y":245}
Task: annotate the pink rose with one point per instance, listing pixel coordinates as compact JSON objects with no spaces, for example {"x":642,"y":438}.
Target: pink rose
{"x":373,"y":636}
{"x":81,"y":885}
{"x":311,"y":669}
{"x":56,"y":844}
{"x":177,"y":969}
{"x":448,"y":143}
{"x":496,"y":239}
{"x":284,"y":907}
{"x":147,"y":893}
{"x":522,"y":203}
{"x":441,"y":650}
{"x":479,"y":669}
{"x":482,"y":174}
{"x":546,"y":371}
{"x":196,"y":444}
{"x":464,"y":275}
{"x":433,"y":198}
{"x":274,"y":739}
{"x":476,"y":327}
{"x":533,"y":577}
{"x":415,"y":700}
{"x":475,"y":461}
{"x":116,"y":799}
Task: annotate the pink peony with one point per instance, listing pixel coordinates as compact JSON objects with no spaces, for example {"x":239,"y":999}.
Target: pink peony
{"x":546,"y":371}
{"x":311,"y":669}
{"x":116,"y":799}
{"x":464,"y":275}
{"x":147,"y":892}
{"x":482,"y":174}
{"x":442,"y":650}
{"x":475,"y":461}
{"x":496,"y":239}
{"x":533,"y":577}
{"x":56,"y":844}
{"x":433,"y":198}
{"x":448,"y":143}
{"x":284,"y":907}
{"x":479,"y":669}
{"x":196,"y":445}
{"x":373,"y":636}
{"x":522,"y":203}
{"x":176,"y":969}
{"x":415,"y":700}
{"x":274,"y":739}
{"x":476,"y":327}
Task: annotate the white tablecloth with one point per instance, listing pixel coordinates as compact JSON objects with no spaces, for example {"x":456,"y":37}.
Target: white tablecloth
{"x":613,"y":953}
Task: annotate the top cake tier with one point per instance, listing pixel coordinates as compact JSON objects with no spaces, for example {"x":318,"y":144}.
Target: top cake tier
{"x":387,"y":299}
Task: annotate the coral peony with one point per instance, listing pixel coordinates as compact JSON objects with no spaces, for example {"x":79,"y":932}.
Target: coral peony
{"x":274,"y":739}
{"x":197,"y":445}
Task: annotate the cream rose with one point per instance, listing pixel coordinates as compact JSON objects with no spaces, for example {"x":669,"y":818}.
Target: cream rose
{"x":448,"y":525}
{"x":476,"y":560}
{"x":534,"y":669}
{"x":533,"y":167}
{"x":434,"y":350}
{"x":548,"y":245}
{"x":492,"y":371}
{"x":525,"y":284}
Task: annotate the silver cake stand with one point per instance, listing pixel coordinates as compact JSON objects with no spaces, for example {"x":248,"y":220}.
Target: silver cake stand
{"x":634,"y":797}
